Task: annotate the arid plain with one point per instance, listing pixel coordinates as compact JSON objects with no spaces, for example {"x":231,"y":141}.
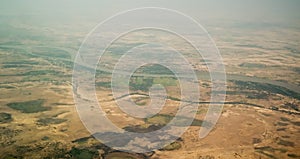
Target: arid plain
{"x":260,"y":118}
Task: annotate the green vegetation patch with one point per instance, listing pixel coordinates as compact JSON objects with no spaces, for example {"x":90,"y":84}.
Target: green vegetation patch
{"x":22,"y":62}
{"x":119,"y":49}
{"x":140,"y":83}
{"x":154,"y":69}
{"x":145,"y":83}
{"x":19,"y":63}
{"x":41,"y":72}
{"x":45,"y":138}
{"x":252,"y":65}
{"x":144,"y":128}
{"x":32,"y":106}
{"x":7,"y":87}
{"x":103,"y":84}
{"x":83,"y":153}
{"x":51,"y":52}
{"x":266,"y":87}
{"x":82,"y":140}
{"x":159,"y":119}
{"x":164,"y":119}
{"x":48,"y":121}
{"x":5,"y":117}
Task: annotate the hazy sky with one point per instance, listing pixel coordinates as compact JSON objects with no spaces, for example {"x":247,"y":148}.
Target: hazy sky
{"x":247,"y":10}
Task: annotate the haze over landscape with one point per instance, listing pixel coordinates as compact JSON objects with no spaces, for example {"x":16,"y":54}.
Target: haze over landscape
{"x":259,"y":42}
